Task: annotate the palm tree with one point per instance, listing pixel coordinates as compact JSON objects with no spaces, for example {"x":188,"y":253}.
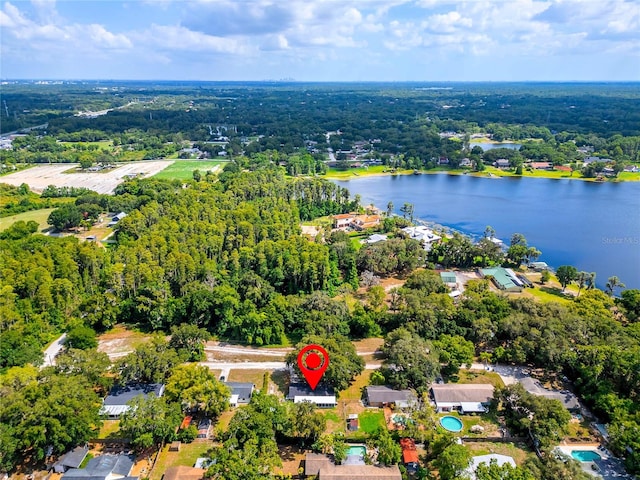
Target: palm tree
{"x":613,"y":283}
{"x":582,"y":280}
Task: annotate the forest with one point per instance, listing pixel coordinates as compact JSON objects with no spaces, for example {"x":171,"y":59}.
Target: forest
{"x":226,"y":258}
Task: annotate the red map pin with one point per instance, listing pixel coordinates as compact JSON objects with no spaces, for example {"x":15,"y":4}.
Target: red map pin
{"x":313,"y":360}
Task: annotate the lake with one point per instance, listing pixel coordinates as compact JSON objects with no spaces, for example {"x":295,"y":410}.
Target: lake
{"x":592,"y":226}
{"x":490,"y":146}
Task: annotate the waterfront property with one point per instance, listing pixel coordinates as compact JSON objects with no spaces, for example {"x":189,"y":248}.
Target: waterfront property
{"x":422,"y":234}
{"x":464,"y":398}
{"x":503,"y":278}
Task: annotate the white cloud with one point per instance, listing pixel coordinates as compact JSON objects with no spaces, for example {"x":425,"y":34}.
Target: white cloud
{"x":178,"y":38}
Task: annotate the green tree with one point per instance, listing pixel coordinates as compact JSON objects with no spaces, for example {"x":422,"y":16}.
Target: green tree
{"x":410,"y":361}
{"x":344,"y":362}
{"x":452,"y":462}
{"x":566,"y":274}
{"x":188,"y":341}
{"x":389,"y":451}
{"x":150,"y":362}
{"x":305,"y":423}
{"x":81,"y":337}
{"x":150,"y":421}
{"x":66,"y":217}
{"x":630,"y":300}
{"x":454,"y":351}
{"x":196,"y":387}
{"x":613,"y":283}
{"x":545,"y":276}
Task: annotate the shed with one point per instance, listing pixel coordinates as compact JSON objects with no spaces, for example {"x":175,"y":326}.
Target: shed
{"x":174,"y":447}
{"x":449,"y":279}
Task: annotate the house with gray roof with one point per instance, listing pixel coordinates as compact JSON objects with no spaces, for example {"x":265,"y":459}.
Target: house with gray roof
{"x":322,"y":396}
{"x":104,"y":467}
{"x":465,"y":398}
{"x":381,"y":395}
{"x":71,"y":459}
{"x":240,"y":392}
{"x":115,"y":404}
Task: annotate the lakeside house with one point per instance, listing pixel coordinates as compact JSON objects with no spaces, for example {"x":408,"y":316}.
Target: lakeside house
{"x":501,"y":163}
{"x":568,"y":399}
{"x":375,"y":238}
{"x":355,"y":221}
{"x":503,"y":278}
{"x":323,"y":468}
{"x":115,"y":404}
{"x":422,"y":234}
{"x":381,"y":396}
{"x":321,"y":397}
{"x":464,"y":398}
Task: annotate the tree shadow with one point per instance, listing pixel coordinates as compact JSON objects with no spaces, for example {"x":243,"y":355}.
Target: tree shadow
{"x":554,"y":291}
{"x":281,"y":379}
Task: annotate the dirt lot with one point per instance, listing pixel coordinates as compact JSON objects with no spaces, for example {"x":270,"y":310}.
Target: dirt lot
{"x":40,"y":177}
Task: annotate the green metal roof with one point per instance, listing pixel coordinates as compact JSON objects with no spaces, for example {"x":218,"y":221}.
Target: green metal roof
{"x":501,"y":277}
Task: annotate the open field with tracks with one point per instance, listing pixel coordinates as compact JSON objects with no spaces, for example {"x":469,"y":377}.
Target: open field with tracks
{"x":40,"y":177}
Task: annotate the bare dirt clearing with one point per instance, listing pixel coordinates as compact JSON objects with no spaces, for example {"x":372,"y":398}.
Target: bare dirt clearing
{"x":40,"y":177}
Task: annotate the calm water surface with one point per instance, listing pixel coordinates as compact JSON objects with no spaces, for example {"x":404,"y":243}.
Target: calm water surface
{"x":592,"y":226}
{"x":489,"y":146}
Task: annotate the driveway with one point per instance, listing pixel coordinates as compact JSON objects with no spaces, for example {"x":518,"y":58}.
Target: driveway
{"x":53,"y":350}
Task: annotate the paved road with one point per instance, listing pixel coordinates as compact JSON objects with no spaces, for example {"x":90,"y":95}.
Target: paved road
{"x":52,"y":350}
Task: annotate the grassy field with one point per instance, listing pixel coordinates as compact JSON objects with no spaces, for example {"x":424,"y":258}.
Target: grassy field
{"x":354,"y":392}
{"x":187,"y":456}
{"x":110,"y":429}
{"x":370,"y":421}
{"x":478,"y":377}
{"x":39,"y":216}
{"x":183,"y":169}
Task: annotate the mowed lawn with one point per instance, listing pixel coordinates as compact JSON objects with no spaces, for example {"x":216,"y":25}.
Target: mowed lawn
{"x":183,"y":169}
{"x":187,"y":456}
{"x":39,"y":216}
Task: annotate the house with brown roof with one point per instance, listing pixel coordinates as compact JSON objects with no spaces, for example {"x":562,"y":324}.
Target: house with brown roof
{"x":465,"y":398}
{"x":184,"y":473}
{"x":324,"y":468}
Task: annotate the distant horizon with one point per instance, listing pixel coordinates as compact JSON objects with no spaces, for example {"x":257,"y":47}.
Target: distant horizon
{"x":168,"y":80}
{"x":322,"y":40}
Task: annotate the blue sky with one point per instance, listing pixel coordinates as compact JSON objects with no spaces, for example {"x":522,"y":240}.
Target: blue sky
{"x":322,"y":40}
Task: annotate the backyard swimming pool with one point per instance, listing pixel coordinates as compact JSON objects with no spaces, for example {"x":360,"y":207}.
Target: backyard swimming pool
{"x":585,"y":455}
{"x":357,"y":450}
{"x":452,"y":424}
{"x":355,"y":455}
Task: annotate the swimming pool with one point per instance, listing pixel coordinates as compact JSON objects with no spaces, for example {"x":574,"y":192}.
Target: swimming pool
{"x":585,"y":455}
{"x":452,"y":424}
{"x":357,"y":450}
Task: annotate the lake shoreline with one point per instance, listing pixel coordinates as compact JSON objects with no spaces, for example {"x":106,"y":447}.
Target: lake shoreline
{"x":491,"y":172}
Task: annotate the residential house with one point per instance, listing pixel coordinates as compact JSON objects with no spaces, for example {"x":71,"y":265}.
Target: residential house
{"x":343,"y":220}
{"x":500,"y":460}
{"x":375,"y":238}
{"x":363,"y":222}
{"x":422,"y":234}
{"x":104,"y":467}
{"x":380,"y":396}
{"x":409,"y":454}
{"x":465,"y":398}
{"x":115,"y":404}
{"x":184,"y":473}
{"x":240,"y":392}
{"x":322,"y":397}
{"x":562,"y":168}
{"x":503,"y":278}
{"x":568,"y":399}
{"x":501,"y":163}
{"x":443,"y":161}
{"x":71,"y":459}
{"x":466,"y":162}
{"x":541,"y":165}
{"x":323,"y":468}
